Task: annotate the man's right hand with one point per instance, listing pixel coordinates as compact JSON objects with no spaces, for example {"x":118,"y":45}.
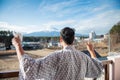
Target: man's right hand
{"x":91,"y":49}
{"x":89,"y":46}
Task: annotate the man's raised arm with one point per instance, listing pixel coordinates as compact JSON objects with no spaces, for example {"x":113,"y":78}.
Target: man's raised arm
{"x":17,"y":44}
{"x":91,"y":49}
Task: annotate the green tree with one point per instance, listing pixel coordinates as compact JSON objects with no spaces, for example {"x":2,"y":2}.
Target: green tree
{"x":115,"y":33}
{"x":6,"y":37}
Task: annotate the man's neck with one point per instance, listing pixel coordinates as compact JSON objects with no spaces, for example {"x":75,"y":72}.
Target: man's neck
{"x":64,"y":46}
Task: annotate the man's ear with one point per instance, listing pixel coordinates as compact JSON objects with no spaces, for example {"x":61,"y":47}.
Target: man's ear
{"x":61,"y":39}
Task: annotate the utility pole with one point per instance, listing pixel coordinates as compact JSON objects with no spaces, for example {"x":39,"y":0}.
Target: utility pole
{"x":109,"y":41}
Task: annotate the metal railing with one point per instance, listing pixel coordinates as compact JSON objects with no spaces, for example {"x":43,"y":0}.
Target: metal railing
{"x":12,"y":74}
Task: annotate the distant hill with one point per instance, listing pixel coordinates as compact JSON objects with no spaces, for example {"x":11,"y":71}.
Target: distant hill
{"x":47,"y":34}
{"x":44,"y":33}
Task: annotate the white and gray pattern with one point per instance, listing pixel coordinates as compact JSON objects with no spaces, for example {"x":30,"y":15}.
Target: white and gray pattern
{"x":66,"y":64}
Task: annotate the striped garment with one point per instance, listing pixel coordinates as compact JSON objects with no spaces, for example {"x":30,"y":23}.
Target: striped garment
{"x":66,"y":64}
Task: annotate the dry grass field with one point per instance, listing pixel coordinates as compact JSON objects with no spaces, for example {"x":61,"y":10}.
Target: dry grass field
{"x":9,"y":61}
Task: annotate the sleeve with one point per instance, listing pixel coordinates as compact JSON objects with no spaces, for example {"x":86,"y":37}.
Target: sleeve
{"x":27,"y":68}
{"x":94,"y":68}
{"x":31,"y":68}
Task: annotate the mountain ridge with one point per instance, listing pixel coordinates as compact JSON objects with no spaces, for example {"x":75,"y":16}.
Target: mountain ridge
{"x":47,"y":34}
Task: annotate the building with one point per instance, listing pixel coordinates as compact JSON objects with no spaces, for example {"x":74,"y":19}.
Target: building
{"x":53,"y":44}
{"x":92,"y":35}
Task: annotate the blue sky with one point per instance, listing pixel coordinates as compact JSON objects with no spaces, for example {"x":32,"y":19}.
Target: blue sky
{"x":52,"y":15}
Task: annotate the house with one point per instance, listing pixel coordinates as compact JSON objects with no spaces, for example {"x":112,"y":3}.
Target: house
{"x":53,"y":44}
{"x":31,"y":45}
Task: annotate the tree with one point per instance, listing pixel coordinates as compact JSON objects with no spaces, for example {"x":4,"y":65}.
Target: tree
{"x":115,"y":33}
{"x":6,"y":37}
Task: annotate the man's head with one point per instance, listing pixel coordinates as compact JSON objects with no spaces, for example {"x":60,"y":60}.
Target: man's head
{"x":67,"y":35}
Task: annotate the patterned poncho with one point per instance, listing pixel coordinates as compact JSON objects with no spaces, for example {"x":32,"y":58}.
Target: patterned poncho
{"x":66,"y":64}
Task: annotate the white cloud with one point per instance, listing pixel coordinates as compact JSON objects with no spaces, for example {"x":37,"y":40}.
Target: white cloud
{"x":61,"y":8}
{"x":12,"y":27}
{"x":101,"y":23}
{"x":100,"y":8}
{"x":57,"y":6}
{"x":51,"y":26}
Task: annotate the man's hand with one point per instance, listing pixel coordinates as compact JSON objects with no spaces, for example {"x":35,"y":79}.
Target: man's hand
{"x":17,"y":44}
{"x":91,"y":49}
{"x":16,"y":41}
{"x":89,"y":46}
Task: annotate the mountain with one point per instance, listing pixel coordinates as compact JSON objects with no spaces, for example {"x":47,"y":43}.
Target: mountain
{"x":43,"y":33}
{"x":46,"y":34}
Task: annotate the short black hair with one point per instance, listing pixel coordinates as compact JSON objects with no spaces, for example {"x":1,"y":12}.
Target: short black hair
{"x":67,"y":34}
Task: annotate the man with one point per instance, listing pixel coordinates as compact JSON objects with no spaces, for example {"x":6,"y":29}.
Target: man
{"x":66,"y":64}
